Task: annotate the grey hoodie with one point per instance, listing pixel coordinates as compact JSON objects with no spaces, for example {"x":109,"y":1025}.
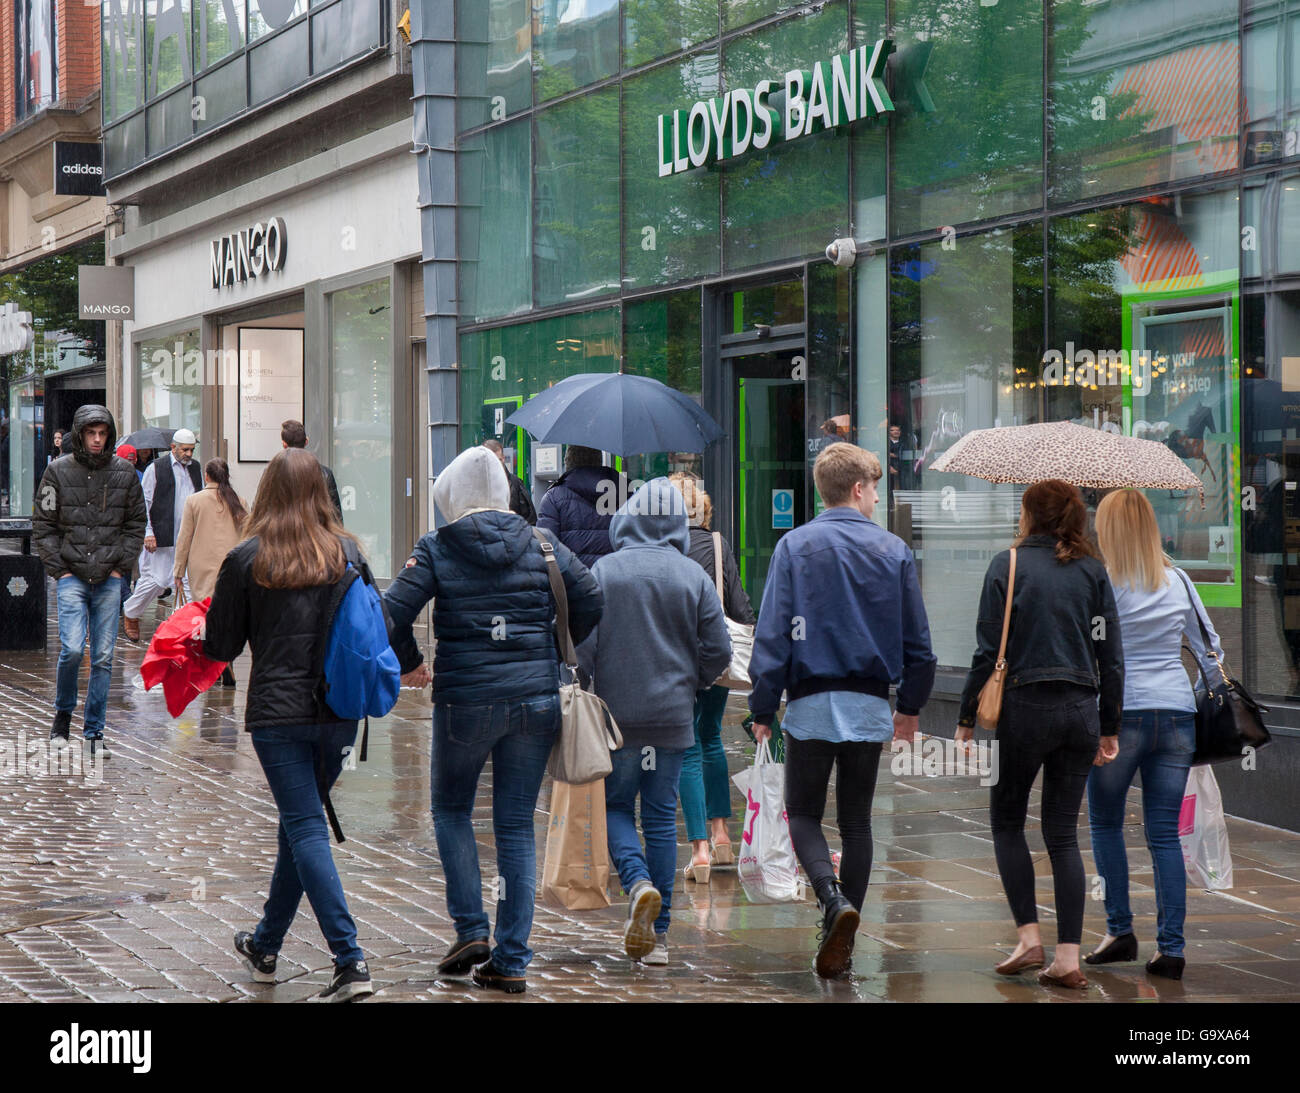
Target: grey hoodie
{"x":662,"y":636}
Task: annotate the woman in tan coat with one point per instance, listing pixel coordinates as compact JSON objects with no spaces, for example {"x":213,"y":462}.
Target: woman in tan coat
{"x":212,"y":525}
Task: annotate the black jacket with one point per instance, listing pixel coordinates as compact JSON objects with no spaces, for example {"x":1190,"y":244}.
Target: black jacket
{"x":284,"y":628}
{"x":88,"y":514}
{"x":735,"y":603}
{"x":333,"y":488}
{"x":1064,"y":626}
{"x":520,"y":502}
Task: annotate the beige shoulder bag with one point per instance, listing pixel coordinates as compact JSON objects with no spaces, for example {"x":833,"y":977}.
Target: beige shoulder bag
{"x":990,"y":707}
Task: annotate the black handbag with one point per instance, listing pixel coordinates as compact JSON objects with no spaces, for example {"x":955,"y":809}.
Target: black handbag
{"x":1228,"y":719}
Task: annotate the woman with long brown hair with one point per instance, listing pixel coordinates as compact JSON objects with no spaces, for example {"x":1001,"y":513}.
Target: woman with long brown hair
{"x":273,"y":592}
{"x":1060,"y":710}
{"x":211,"y":527}
{"x":1158,"y":609}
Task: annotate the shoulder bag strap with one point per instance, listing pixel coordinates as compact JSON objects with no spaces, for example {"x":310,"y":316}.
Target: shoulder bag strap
{"x":1205,"y":636}
{"x":717,"y":565}
{"x":567,"y":650}
{"x":1001,"y":662}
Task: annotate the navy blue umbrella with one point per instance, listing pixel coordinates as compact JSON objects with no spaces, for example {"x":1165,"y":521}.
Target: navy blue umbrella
{"x":614,"y":412}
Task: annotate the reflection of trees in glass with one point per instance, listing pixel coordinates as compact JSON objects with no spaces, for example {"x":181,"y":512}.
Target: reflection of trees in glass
{"x":576,"y":43}
{"x":216,"y":35}
{"x":493,"y":57}
{"x":49,"y":289}
{"x":653,"y":28}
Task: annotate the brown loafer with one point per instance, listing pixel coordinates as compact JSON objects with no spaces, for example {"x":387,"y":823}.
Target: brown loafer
{"x":1030,"y":958}
{"x":131,"y":627}
{"x":1075,"y":980}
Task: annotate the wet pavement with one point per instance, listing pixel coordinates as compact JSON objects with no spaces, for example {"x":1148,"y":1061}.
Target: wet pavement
{"x":129,"y":886}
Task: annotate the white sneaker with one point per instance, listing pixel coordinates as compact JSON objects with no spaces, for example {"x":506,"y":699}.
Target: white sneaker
{"x":643,"y":906}
{"x":657,"y":956}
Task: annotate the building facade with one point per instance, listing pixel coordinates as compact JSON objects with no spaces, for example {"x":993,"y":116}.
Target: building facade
{"x":1070,"y":211}
{"x":259,"y":151}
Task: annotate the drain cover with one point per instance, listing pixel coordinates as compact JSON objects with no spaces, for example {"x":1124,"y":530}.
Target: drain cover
{"x":17,"y":587}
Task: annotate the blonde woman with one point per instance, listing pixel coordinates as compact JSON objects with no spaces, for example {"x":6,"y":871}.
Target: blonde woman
{"x":1158,"y":608}
{"x":705,"y":788}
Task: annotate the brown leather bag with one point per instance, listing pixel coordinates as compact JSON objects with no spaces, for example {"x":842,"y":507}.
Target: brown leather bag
{"x":990,"y":705}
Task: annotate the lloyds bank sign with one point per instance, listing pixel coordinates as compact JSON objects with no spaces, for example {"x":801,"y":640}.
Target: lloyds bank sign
{"x":839,"y":91}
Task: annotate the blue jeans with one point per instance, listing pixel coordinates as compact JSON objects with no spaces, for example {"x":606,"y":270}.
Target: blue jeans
{"x":658,"y":790}
{"x":706,"y":784}
{"x":289,"y":755}
{"x":518,"y":735}
{"x":1159,"y":743}
{"x":86,"y":609}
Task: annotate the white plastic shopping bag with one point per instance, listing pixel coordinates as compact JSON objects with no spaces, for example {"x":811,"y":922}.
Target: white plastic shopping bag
{"x":767,"y":867}
{"x":1204,"y":833}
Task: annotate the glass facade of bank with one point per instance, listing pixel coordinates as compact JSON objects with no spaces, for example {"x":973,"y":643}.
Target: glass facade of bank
{"x":1074,"y":211}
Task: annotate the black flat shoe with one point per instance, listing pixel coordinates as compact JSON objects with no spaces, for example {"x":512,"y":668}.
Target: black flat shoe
{"x":463,"y":956}
{"x":1124,"y":947}
{"x":1170,"y":967}
{"x":487,"y":975}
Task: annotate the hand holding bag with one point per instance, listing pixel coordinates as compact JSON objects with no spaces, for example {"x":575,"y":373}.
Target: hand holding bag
{"x":736,"y":675}
{"x":587,"y":729}
{"x":990,"y":704}
{"x":767,"y":867}
{"x":1228,"y":719}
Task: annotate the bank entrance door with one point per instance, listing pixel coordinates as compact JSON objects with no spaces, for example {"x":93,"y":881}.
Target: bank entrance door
{"x":762,"y":355}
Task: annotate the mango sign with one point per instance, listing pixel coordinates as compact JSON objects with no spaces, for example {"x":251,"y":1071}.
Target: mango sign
{"x":845,"y":89}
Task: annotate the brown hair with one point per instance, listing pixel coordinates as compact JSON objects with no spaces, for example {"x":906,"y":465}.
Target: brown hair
{"x":1130,"y":540}
{"x":839,"y":467}
{"x":218,"y":470}
{"x":1056,"y":508}
{"x":699,"y":506}
{"x":293,"y":433}
{"x":294,"y":521}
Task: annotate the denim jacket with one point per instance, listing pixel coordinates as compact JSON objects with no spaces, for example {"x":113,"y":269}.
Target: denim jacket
{"x":1064,"y":626}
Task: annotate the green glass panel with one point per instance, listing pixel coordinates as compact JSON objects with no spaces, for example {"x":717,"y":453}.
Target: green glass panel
{"x":170,"y":30}
{"x":870,"y":140}
{"x":654,"y":28}
{"x":978,"y":152}
{"x":1142,"y":94}
{"x":494,"y":68}
{"x":789,"y":199}
{"x":577,"y":44}
{"x":661,"y":339}
{"x":216,"y":35}
{"x":738,"y":13}
{"x":670,"y":223}
{"x":495,"y":222}
{"x":576,"y":216}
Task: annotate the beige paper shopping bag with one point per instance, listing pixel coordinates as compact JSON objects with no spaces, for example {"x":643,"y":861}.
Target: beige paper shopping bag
{"x":575,"y":874}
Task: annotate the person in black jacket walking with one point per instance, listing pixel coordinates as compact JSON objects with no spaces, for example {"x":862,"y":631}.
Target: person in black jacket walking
{"x":495,"y":693}
{"x":1061,"y":710}
{"x":293,"y":435}
{"x":88,"y":523}
{"x":705,"y":788}
{"x":580,"y":504}
{"x":273,"y":593}
{"x":520,"y":502}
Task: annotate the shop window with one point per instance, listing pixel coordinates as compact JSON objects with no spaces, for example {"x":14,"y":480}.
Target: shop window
{"x":495,"y":222}
{"x":169,"y":388}
{"x":789,"y":199}
{"x":576,"y":249}
{"x":361,"y":456}
{"x":670,"y":224}
{"x":966,"y":330}
{"x":654,"y":28}
{"x":972,"y":148}
{"x":1142,"y":94}
{"x":35,"y":56}
{"x":494,"y":60}
{"x":661,"y":339}
{"x":577,"y":44}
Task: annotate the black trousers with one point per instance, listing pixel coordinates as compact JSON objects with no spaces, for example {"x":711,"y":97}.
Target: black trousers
{"x":808,"y":766}
{"x":1052,"y":727}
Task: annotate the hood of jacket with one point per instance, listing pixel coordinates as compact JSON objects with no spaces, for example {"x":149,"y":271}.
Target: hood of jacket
{"x":472,"y":482}
{"x":589,"y":482}
{"x":654,"y":516}
{"x":91,"y":414}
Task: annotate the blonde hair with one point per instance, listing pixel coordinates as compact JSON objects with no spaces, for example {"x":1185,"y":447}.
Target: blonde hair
{"x":839,"y":467}
{"x":1130,"y":540}
{"x":699,"y":506}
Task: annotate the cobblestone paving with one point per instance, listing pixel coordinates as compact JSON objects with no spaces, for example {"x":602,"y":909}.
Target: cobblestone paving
{"x":127,"y":883}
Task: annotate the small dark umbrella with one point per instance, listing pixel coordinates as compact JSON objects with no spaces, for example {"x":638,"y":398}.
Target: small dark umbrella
{"x":617,"y":413}
{"x":150,"y":437}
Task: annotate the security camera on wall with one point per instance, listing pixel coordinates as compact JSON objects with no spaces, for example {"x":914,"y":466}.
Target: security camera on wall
{"x":842,"y":252}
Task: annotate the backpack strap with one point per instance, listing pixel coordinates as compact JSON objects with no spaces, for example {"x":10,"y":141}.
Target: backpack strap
{"x":567,"y":650}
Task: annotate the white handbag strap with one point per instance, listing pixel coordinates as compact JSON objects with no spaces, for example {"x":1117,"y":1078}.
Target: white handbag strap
{"x":717,"y":565}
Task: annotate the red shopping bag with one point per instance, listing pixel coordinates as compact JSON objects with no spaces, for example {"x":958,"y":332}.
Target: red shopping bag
{"x":175,"y":658}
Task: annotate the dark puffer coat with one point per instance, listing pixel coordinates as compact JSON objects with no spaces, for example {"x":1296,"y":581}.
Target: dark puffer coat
{"x":284,"y":628}
{"x":493,"y":615}
{"x":569,"y":510}
{"x":88,"y":515}
{"x":735,"y":603}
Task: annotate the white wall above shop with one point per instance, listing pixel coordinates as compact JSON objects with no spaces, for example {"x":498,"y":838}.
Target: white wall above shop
{"x":358,"y":219}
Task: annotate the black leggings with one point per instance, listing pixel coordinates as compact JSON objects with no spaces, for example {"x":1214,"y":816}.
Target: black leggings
{"x":1053,"y":726}
{"x":807,"y":775}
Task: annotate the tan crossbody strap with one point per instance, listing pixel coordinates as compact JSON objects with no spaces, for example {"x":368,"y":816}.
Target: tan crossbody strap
{"x":1006,"y":614}
{"x":561,"y":601}
{"x":717,"y":564}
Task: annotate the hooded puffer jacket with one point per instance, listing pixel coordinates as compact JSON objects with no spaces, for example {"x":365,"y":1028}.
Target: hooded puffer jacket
{"x":88,"y":515}
{"x":578,"y":509}
{"x":493,"y":614}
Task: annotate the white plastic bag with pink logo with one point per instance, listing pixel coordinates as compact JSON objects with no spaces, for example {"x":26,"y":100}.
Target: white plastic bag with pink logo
{"x":767,"y":867}
{"x":1204,"y":833}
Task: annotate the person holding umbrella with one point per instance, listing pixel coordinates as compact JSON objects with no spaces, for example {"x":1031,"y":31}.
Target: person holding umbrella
{"x":581,"y":503}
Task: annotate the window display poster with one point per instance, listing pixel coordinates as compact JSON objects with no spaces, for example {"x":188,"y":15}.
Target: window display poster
{"x":270,"y":388}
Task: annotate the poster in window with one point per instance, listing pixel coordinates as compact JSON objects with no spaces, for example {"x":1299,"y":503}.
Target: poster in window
{"x":270,"y":388}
